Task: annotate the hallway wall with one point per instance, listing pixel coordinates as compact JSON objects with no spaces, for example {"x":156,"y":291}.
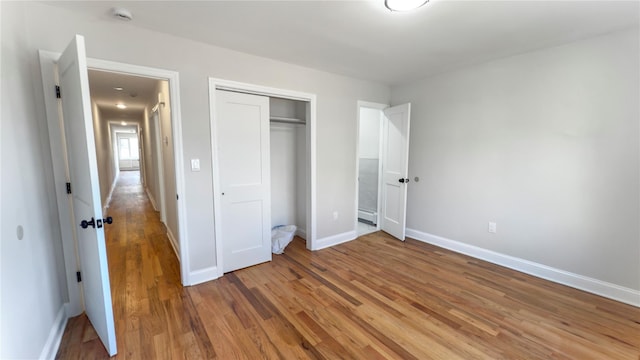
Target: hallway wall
{"x":104,"y":154}
{"x":169,"y":163}
{"x":151,"y":172}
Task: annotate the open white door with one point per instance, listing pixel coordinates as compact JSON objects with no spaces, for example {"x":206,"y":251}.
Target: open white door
{"x":395,"y":165}
{"x":242,"y":124}
{"x":83,"y":172}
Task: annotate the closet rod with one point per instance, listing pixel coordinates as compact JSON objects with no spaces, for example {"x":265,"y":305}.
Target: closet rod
{"x":280,"y":119}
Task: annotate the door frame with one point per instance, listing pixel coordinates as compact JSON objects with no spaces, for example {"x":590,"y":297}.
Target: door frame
{"x":380,"y":107}
{"x":48,"y":60}
{"x":221,"y":84}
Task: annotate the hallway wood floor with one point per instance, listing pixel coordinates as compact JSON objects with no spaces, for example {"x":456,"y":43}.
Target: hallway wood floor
{"x":373,"y":298}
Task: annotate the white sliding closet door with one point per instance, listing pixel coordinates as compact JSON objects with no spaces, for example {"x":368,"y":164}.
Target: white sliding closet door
{"x":242,"y":124}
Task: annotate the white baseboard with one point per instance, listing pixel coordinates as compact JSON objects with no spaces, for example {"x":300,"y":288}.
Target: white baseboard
{"x":107,"y":202}
{"x":204,"y":275}
{"x":334,"y":240}
{"x":174,"y":243}
{"x":595,"y":286}
{"x":50,"y":348}
{"x":153,"y":201}
{"x":301,"y":233}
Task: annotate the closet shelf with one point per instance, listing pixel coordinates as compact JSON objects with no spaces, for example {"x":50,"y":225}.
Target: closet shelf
{"x":286,"y":120}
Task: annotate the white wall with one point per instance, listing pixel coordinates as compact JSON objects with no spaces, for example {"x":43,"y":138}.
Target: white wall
{"x":369,"y":133}
{"x":117,"y":41}
{"x":104,"y":154}
{"x":168,"y":161}
{"x":32,"y":280}
{"x":283,"y":174}
{"x":301,"y":177}
{"x":369,"y":159}
{"x":547,"y":145}
{"x":288,"y":152}
{"x":151,"y":170}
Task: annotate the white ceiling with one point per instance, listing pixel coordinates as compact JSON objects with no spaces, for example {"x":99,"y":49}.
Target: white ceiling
{"x":138,"y":92}
{"x":362,"y":39}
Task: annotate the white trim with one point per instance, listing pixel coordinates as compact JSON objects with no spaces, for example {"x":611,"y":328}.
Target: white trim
{"x":220,"y":84}
{"x":372,"y":105}
{"x":174,"y":243}
{"x":52,"y":344}
{"x":107,"y":202}
{"x":594,"y":286}
{"x":151,"y":198}
{"x":204,"y":275}
{"x":336,"y":239}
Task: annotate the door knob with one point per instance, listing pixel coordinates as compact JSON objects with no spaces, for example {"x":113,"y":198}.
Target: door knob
{"x":85,"y":224}
{"x":403,"y":180}
{"x":93,"y":222}
{"x":108,"y":220}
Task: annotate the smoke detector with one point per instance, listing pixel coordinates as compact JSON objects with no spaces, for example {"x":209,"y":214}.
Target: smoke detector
{"x":122,"y":14}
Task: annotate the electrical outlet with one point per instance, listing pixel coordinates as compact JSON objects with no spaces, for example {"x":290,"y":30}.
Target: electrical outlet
{"x":492,"y":227}
{"x":335,"y":215}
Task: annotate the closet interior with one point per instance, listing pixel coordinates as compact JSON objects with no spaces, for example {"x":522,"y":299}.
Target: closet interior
{"x":289,"y":185}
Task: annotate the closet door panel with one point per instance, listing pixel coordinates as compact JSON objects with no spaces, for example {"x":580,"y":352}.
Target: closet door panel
{"x":242,"y":124}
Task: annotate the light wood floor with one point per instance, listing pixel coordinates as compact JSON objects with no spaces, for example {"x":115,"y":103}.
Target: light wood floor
{"x":372,"y":298}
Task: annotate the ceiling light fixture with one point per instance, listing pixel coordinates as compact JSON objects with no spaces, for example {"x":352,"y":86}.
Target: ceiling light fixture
{"x":124,"y":123}
{"x":121,"y":106}
{"x":404,"y":5}
{"x":118,"y":88}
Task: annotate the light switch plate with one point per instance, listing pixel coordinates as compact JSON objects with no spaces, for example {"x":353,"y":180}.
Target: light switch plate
{"x":195,"y":164}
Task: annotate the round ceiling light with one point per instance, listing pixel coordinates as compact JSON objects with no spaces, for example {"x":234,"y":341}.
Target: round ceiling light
{"x":404,"y":5}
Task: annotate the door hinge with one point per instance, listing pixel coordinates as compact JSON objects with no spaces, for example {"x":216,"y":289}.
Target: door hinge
{"x":68,"y":188}
{"x":177,"y":197}
{"x":78,"y":276}
{"x":58,"y":92}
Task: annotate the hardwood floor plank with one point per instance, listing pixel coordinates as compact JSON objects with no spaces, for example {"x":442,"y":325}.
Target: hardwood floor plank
{"x":372,"y":298}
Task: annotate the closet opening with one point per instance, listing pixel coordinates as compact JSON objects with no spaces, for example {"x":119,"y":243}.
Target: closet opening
{"x":288,"y":160}
{"x":369,"y":167}
{"x":263,"y":143}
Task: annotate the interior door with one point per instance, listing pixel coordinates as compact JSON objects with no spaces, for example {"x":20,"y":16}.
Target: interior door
{"x":83,"y":172}
{"x":395,"y":164}
{"x":242,"y":124}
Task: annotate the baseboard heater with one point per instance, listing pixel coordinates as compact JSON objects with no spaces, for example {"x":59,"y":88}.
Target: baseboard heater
{"x":368,"y":216}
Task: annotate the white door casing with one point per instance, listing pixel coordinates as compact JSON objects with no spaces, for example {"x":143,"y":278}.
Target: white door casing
{"x":395,"y":164}
{"x":242,"y":124}
{"x":83,"y":171}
